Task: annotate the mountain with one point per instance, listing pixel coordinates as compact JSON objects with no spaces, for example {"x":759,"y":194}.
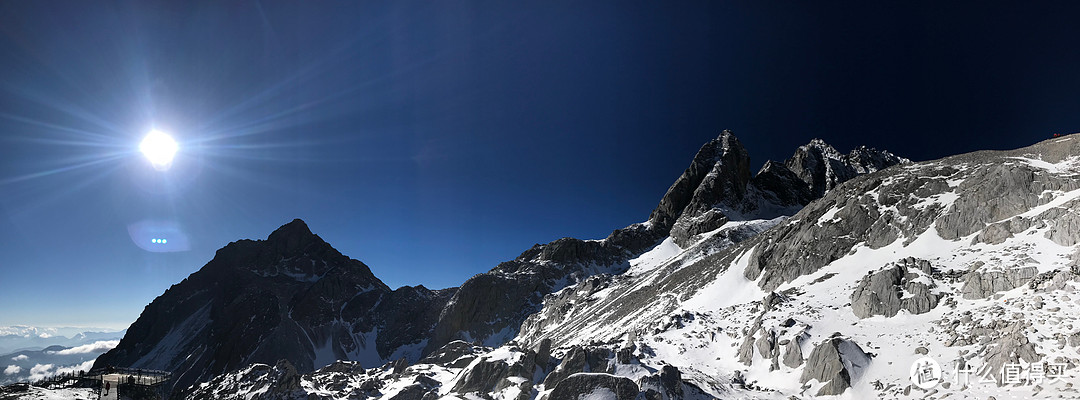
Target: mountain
{"x":971,"y":262}
{"x":293,"y":297}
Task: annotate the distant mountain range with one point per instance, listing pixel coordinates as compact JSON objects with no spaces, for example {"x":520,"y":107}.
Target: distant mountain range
{"x":828,"y":273}
{"x":23,"y":337}
{"x":37,"y":363}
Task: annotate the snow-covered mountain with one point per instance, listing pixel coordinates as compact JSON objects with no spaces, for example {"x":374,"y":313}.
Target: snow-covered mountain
{"x":969,"y":261}
{"x":293,"y":297}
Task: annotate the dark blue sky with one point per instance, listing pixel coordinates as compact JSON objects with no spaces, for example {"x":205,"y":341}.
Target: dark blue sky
{"x":432,"y":140}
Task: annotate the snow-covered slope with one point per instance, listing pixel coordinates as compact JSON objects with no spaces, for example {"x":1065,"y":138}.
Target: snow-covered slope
{"x":969,"y":260}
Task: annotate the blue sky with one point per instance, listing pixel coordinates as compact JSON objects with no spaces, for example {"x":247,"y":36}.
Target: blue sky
{"x":432,"y":140}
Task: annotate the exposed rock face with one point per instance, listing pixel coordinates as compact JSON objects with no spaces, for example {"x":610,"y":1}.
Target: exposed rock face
{"x":834,"y":362}
{"x":598,"y":386}
{"x":782,"y":186}
{"x":905,"y":285}
{"x":980,"y":285}
{"x":280,"y":298}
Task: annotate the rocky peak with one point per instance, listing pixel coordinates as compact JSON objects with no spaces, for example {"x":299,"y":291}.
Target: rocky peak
{"x":868,"y":159}
{"x":292,"y":238}
{"x":822,"y":167}
{"x":723,"y":161}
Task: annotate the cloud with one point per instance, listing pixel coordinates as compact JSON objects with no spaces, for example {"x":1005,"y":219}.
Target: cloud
{"x":96,"y":347}
{"x":75,"y":368}
{"x":41,"y":371}
{"x":19,"y":357}
{"x":12,"y":370}
{"x":27,"y":331}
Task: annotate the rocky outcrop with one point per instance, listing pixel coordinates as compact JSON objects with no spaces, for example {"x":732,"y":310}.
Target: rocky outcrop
{"x":822,"y":168}
{"x":836,"y":362}
{"x":277,"y":382}
{"x":980,"y":285}
{"x":456,"y":354}
{"x":793,"y":356}
{"x":668,"y":384}
{"x":594,"y":386}
{"x":904,"y":285}
{"x":483,"y":376}
{"x":1010,"y":346}
{"x":580,"y":359}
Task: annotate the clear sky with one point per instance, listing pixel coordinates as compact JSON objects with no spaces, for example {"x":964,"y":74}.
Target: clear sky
{"x":432,"y":140}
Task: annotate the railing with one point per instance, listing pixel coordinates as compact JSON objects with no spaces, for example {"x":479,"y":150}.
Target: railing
{"x":138,"y":376}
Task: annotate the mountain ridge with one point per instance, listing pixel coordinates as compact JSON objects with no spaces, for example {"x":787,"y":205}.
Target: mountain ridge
{"x":306,"y":302}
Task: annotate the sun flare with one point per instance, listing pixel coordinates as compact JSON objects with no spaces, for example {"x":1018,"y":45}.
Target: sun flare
{"x":159,"y":148}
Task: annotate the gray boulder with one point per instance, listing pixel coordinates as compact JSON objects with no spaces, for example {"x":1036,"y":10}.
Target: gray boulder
{"x":594,"y":386}
{"x":836,"y":362}
{"x":580,"y":359}
{"x":904,"y":285}
{"x":793,"y":356}
{"x":482,"y":376}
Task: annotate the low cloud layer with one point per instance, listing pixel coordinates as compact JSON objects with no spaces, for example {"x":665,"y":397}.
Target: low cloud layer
{"x":96,"y":347}
{"x":41,"y":371}
{"x":12,"y":370}
{"x":19,"y":357}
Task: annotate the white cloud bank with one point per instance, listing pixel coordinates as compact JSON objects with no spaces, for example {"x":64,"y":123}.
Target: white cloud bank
{"x":12,"y":370}
{"x":96,"y":347}
{"x":19,"y":357}
{"x":41,"y":371}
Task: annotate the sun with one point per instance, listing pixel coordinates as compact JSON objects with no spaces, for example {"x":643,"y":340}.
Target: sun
{"x":159,"y":148}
